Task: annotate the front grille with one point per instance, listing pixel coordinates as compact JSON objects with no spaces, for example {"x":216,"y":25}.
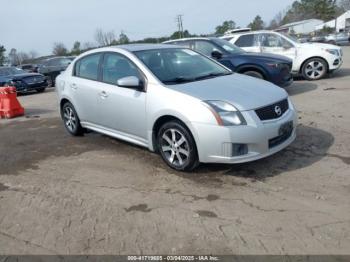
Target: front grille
{"x":272,"y":111}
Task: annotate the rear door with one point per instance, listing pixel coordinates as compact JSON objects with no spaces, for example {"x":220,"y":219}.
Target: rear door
{"x":249,"y":42}
{"x":84,"y":87}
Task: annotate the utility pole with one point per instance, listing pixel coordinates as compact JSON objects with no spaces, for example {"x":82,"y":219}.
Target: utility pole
{"x":180,"y":25}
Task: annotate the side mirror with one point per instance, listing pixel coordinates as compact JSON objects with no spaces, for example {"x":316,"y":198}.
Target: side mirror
{"x":130,"y":82}
{"x":216,"y":54}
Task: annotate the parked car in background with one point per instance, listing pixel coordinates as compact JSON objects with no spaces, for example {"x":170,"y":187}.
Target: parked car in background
{"x":318,"y":39}
{"x":177,"y":102}
{"x":52,"y":67}
{"x":71,"y":58}
{"x":22,"y":80}
{"x":30,"y":68}
{"x":312,"y":60}
{"x":273,"y":68}
{"x":342,"y":39}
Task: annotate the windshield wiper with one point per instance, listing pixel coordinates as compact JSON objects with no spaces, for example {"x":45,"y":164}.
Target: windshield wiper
{"x":211,"y":75}
{"x":178,"y":80}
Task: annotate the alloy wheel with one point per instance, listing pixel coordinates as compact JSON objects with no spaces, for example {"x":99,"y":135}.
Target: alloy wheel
{"x":175,"y":147}
{"x":315,"y":69}
{"x":70,"y":119}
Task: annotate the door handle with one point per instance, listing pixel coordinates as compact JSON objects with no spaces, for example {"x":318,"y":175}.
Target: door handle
{"x":103,"y":94}
{"x":73,"y":86}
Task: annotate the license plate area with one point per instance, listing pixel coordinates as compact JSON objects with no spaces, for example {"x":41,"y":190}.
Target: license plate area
{"x":284,"y":132}
{"x":286,"y":129}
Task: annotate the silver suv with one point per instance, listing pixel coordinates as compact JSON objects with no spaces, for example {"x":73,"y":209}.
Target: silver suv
{"x":177,"y":102}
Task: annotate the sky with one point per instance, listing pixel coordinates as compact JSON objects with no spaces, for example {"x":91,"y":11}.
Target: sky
{"x":29,"y":25}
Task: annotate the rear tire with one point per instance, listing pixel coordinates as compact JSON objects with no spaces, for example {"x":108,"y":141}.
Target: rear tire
{"x":255,"y":74}
{"x":314,"y":69}
{"x":177,"y":146}
{"x":71,"y":120}
{"x":41,"y":90}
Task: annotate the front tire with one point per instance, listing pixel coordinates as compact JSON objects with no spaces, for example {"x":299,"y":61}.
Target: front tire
{"x":314,"y":69}
{"x":71,"y":120}
{"x":177,"y":146}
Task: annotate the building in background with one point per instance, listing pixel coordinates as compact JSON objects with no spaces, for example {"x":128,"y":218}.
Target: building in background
{"x":300,"y":27}
{"x":342,"y":23}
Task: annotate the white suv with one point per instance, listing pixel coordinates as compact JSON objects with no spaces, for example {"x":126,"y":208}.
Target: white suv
{"x":312,"y":60}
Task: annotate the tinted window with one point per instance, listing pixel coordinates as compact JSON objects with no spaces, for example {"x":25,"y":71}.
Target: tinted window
{"x":182,"y":43}
{"x":87,"y":67}
{"x":117,"y":66}
{"x":205,"y":47}
{"x":272,"y":40}
{"x":245,"y":41}
{"x":177,"y":65}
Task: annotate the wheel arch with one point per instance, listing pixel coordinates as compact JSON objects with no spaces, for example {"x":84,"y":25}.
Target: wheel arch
{"x":312,"y":57}
{"x":161,"y":120}
{"x":62,"y":102}
{"x":249,"y":67}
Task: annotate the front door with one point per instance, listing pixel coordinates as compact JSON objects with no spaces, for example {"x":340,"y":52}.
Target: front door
{"x":118,"y":108}
{"x":276,"y":44}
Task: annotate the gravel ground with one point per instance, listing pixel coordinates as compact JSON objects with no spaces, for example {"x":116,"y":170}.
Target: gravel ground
{"x":98,"y":195}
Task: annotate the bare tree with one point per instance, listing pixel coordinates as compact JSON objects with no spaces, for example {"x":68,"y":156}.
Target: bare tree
{"x":104,"y":38}
{"x":59,"y":49}
{"x":22,"y":57}
{"x":88,"y":46}
{"x":345,"y":4}
{"x":33,"y":54}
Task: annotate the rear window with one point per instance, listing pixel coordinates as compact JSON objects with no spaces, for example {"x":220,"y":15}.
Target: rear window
{"x":87,"y":67}
{"x":245,"y":41}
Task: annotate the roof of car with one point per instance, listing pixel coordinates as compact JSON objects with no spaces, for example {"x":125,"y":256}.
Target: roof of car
{"x":141,"y":47}
{"x":251,"y":32}
{"x":190,"y":38}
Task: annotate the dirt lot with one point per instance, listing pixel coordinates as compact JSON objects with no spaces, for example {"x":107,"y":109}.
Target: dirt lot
{"x":97,"y":195}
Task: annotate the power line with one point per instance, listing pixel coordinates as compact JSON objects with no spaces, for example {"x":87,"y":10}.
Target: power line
{"x":179,"y":21}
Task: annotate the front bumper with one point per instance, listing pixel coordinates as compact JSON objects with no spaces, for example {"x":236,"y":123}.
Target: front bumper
{"x":23,"y":87}
{"x":335,"y":63}
{"x":214,"y":143}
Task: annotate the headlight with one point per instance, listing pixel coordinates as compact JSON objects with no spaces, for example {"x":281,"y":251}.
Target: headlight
{"x":332,"y":51}
{"x":225,"y":113}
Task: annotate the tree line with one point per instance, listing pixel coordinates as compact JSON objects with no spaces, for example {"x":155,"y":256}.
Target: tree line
{"x":300,"y":10}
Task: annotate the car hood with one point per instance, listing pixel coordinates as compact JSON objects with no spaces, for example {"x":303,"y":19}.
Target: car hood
{"x":244,"y":92}
{"x":265,"y":56}
{"x":318,"y":45}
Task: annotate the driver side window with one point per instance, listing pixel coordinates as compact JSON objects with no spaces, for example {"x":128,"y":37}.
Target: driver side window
{"x":205,"y":47}
{"x":116,"y":66}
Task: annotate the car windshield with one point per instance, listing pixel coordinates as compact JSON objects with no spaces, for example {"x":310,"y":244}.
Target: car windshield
{"x":179,"y":65}
{"x":11,"y":71}
{"x":231,"y":48}
{"x":291,"y":38}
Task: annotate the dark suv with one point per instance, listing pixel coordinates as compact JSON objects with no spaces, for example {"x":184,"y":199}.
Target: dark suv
{"x":52,"y":67}
{"x":273,"y":68}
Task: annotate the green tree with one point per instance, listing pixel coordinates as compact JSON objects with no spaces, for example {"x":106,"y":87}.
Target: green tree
{"x":59,"y":49}
{"x":2,"y":54}
{"x":123,"y":38}
{"x":226,"y":25}
{"x":257,"y":24}
{"x":76,"y":48}
{"x":307,"y":9}
{"x":178,"y":34}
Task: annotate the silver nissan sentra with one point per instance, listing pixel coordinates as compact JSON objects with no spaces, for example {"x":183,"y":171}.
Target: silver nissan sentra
{"x":177,"y":102}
